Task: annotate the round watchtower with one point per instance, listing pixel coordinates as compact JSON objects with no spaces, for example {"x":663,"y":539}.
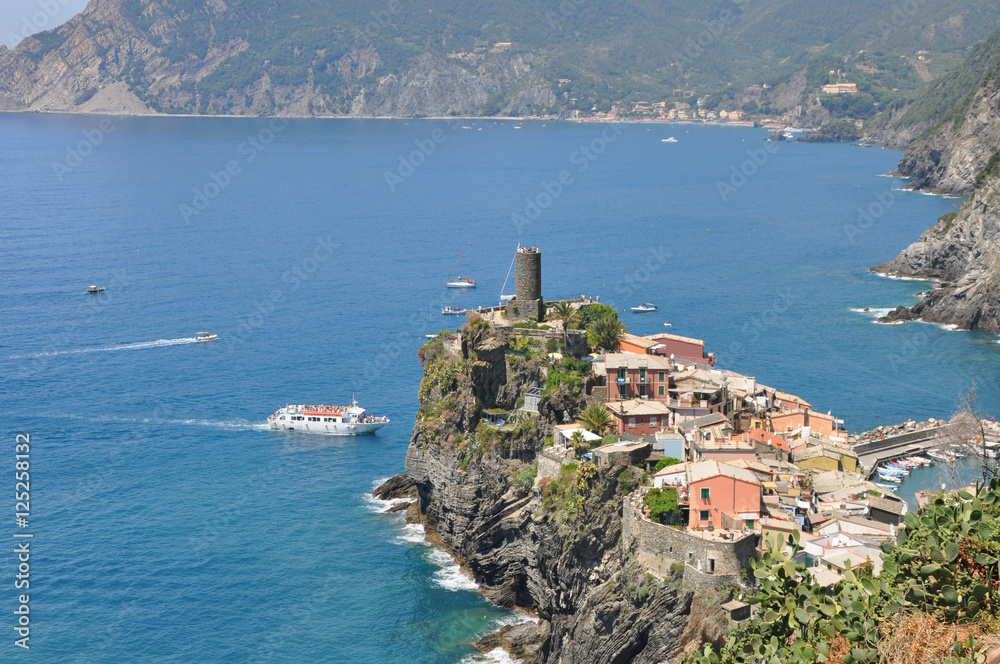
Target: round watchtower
{"x":528,"y":274}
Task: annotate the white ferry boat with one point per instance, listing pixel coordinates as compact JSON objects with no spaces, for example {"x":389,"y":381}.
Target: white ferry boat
{"x":337,"y":420}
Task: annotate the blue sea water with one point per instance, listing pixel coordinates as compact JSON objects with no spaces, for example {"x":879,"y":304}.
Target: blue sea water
{"x":171,"y":526}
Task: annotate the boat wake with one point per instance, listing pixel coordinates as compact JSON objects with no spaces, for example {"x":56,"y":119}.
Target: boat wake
{"x":141,"y":345}
{"x":228,"y":425}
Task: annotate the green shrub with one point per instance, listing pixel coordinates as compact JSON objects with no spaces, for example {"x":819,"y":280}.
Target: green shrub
{"x":663,"y":506}
{"x":525,"y":480}
{"x":665,"y":463}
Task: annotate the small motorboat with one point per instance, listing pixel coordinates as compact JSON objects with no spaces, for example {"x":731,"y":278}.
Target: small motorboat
{"x":95,"y":289}
{"x":205,"y":336}
{"x":452,"y":311}
{"x":668,"y":140}
{"x":666,"y":325}
{"x":644,"y":307}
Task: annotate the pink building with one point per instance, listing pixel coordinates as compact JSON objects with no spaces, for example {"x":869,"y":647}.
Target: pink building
{"x":639,"y":417}
{"x":633,"y":376}
{"x":723,"y":496}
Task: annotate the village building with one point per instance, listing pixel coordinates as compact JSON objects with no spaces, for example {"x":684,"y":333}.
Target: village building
{"x":722,"y":496}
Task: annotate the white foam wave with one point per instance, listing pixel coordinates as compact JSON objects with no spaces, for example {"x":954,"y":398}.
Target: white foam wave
{"x":891,"y":322}
{"x":380,"y":506}
{"x":141,"y":345}
{"x":950,"y":327}
{"x":899,"y":277}
{"x":495,"y":656}
{"x":876,"y":312}
{"x":411,"y":533}
{"x":450,"y":576}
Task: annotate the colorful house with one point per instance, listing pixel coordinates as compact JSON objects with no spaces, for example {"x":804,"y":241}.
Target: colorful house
{"x":722,"y":496}
{"x":640,"y":417}
{"x":632,"y":376}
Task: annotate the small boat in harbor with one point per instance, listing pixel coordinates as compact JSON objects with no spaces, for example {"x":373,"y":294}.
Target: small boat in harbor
{"x":452,"y":311}
{"x":938,"y":455}
{"x":644,"y":308}
{"x":95,"y":289}
{"x":334,"y":420}
{"x":668,"y":140}
{"x":206,"y":336}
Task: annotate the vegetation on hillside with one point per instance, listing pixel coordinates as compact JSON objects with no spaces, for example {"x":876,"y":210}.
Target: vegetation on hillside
{"x":942,"y":569}
{"x":591,"y":55}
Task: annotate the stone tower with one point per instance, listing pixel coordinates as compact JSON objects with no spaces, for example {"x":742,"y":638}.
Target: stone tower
{"x":528,"y":285}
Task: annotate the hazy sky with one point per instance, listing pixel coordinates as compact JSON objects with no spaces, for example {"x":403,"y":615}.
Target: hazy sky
{"x":20,"y":18}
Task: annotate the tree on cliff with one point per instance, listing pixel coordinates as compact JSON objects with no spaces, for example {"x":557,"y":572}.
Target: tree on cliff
{"x":606,"y":331}
{"x":564,"y":313}
{"x":595,"y":418}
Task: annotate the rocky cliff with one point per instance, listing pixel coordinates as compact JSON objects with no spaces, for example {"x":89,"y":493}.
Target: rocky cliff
{"x":182,"y":56}
{"x":951,"y":129}
{"x":962,"y":251}
{"x":549,"y":546}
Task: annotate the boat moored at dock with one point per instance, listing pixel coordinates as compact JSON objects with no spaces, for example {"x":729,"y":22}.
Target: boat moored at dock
{"x":335,"y":420}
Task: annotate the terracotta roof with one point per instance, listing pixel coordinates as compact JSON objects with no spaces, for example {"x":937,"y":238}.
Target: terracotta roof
{"x":675,"y":337}
{"x":634,"y":407}
{"x":642,"y":342}
{"x":704,"y":470}
{"x":768,"y":438}
{"x":635,"y":361}
{"x":711,"y":419}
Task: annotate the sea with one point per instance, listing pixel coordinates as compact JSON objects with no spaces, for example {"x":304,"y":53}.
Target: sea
{"x":168,"y":524}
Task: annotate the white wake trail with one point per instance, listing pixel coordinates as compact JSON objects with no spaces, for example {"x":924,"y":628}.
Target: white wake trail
{"x":159,"y":343}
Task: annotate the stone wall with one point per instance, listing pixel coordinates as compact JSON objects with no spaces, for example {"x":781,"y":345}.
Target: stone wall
{"x":657,"y":547}
{"x":549,"y":464}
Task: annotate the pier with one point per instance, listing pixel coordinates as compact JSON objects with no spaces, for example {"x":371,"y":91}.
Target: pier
{"x":871,"y":455}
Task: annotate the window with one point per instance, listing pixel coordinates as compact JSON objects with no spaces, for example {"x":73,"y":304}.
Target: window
{"x":642,"y":375}
{"x":711,"y":565}
{"x":750,"y":524}
{"x":622,"y":391}
{"x":703,"y":515}
{"x":621,"y":374}
{"x":705,"y":493}
{"x":642,"y":391}
{"x":631,"y":423}
{"x":662,"y":376}
{"x":652,"y":421}
{"x":660,"y":390}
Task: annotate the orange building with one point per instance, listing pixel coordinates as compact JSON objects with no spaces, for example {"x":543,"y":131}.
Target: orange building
{"x":723,"y":496}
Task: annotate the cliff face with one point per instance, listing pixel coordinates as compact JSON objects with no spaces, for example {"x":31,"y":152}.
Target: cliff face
{"x":552,"y":548}
{"x":181,"y":56}
{"x":962,"y":251}
{"x":948,"y":160}
{"x":951,"y":129}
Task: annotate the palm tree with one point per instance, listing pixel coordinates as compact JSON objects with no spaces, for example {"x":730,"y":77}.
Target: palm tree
{"x":596,"y":419}
{"x":565,"y":313}
{"x":577,"y":440}
{"x":607,"y":329}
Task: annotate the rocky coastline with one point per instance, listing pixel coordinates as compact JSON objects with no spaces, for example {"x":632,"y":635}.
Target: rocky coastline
{"x":563,"y":565}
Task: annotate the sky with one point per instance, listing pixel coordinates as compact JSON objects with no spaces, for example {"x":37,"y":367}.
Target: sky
{"x":20,"y":18}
